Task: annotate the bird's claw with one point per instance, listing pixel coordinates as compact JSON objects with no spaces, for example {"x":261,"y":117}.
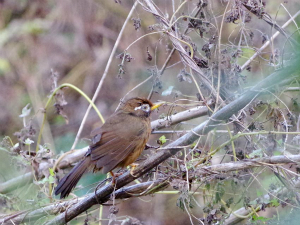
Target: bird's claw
{"x":133,"y":165}
{"x":114,"y":176}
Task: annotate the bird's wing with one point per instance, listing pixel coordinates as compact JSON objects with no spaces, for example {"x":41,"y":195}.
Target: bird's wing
{"x":114,"y":141}
{"x":123,"y":125}
{"x":110,"y":151}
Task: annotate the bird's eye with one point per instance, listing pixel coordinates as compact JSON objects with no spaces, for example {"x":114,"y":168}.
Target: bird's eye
{"x":145,"y":108}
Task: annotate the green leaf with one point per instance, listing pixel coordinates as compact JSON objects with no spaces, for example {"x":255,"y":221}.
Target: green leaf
{"x":51,"y":171}
{"x":260,"y":218}
{"x":163,"y":139}
{"x":274,"y":202}
{"x":193,"y":145}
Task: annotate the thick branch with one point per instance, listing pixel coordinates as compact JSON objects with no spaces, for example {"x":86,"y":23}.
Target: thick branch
{"x":141,"y":189}
{"x":179,"y":117}
{"x":136,"y":190}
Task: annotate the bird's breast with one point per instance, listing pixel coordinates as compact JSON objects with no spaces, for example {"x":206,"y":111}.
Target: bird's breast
{"x":132,"y":157}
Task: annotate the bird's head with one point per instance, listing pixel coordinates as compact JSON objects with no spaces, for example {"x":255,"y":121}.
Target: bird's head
{"x":141,"y":107}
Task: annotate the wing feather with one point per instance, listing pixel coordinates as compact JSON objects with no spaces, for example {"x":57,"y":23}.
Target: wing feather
{"x":110,"y":151}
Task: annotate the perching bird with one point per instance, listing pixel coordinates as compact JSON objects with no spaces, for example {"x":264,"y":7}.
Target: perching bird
{"x":117,"y":143}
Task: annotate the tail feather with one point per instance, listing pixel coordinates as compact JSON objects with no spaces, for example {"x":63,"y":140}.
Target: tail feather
{"x":68,"y":182}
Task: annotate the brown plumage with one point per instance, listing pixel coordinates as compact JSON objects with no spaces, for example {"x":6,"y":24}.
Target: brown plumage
{"x":117,"y":143}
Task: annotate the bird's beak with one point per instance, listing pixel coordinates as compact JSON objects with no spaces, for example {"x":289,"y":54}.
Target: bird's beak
{"x":156,"y":105}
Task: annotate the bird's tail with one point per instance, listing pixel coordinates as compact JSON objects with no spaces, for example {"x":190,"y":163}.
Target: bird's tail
{"x":68,"y":182}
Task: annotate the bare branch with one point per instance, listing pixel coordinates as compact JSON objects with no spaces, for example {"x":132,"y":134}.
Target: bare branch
{"x":179,"y":117}
{"x":136,"y":190}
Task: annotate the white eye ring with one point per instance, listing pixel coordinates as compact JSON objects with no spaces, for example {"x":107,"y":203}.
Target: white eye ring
{"x":144,"y":107}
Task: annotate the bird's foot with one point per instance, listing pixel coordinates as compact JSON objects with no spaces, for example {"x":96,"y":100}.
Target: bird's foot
{"x":114,"y":176}
{"x":132,"y":167}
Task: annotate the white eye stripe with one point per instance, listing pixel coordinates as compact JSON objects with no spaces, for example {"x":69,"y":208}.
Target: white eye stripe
{"x":136,"y":108}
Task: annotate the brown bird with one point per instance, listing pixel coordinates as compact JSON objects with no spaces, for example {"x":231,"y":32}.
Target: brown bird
{"x":117,"y":143}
